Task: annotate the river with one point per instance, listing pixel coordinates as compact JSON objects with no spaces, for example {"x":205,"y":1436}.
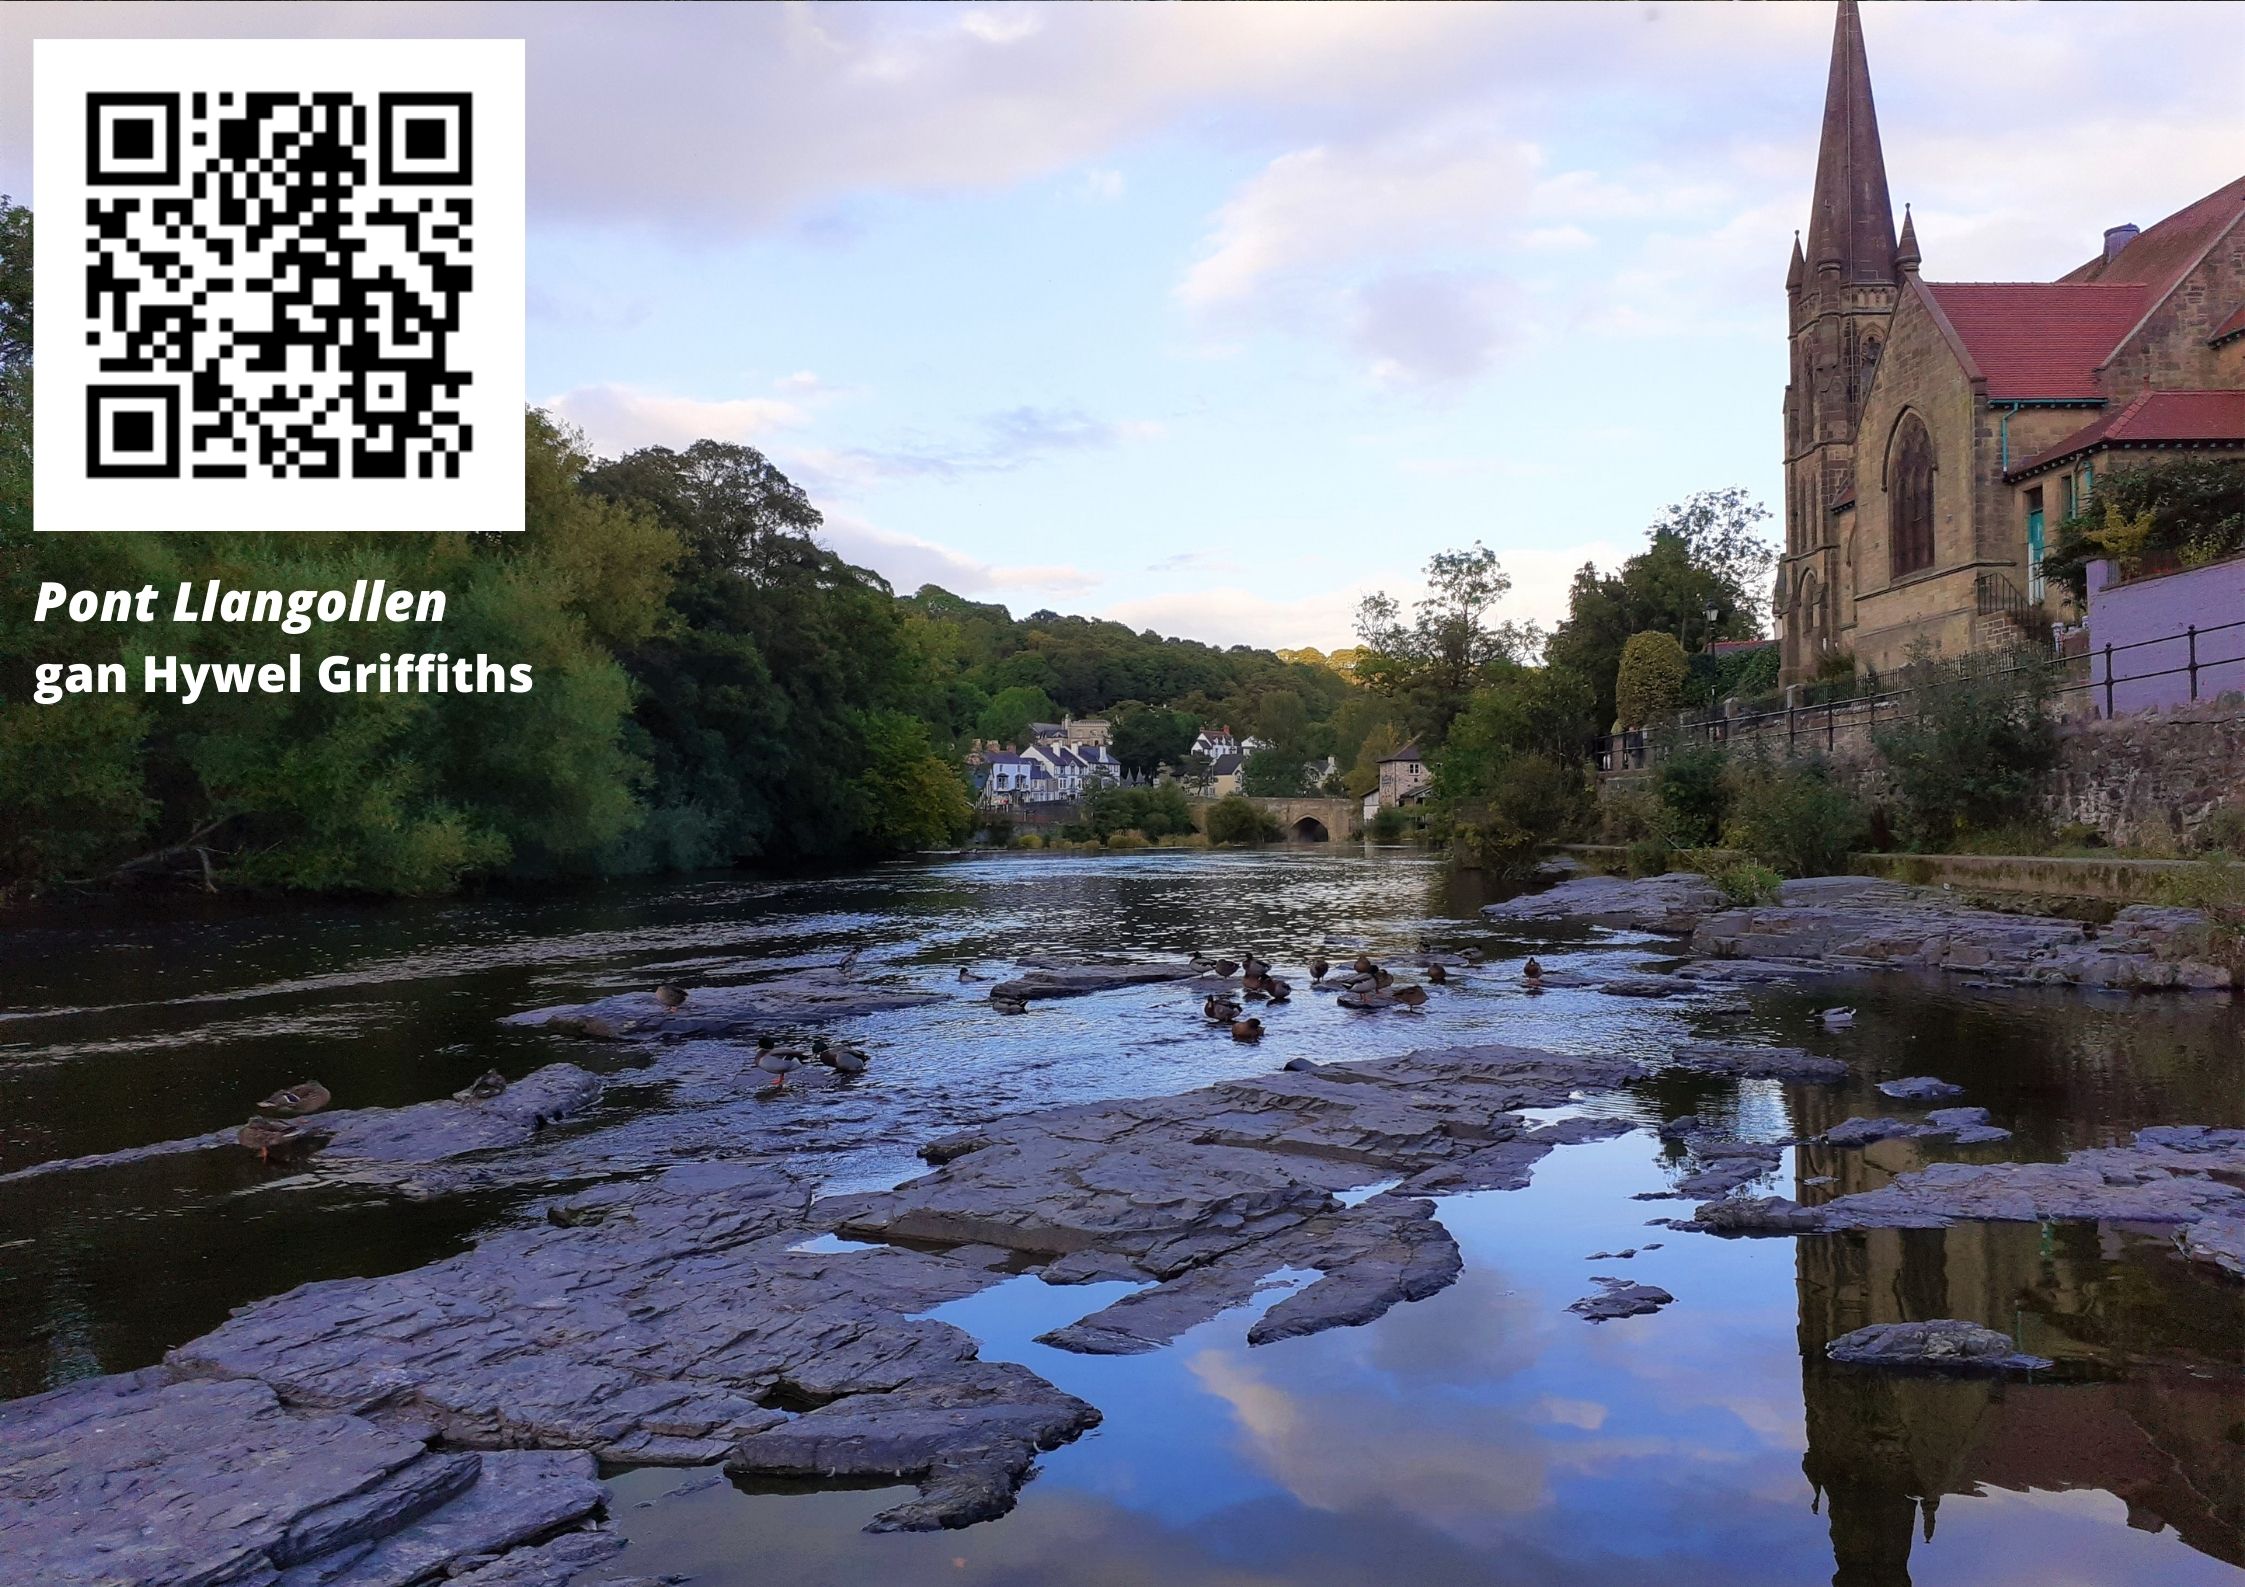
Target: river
{"x":1482,"y":1435}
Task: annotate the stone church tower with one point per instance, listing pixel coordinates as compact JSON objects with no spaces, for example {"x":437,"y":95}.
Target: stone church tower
{"x":1840,"y":295}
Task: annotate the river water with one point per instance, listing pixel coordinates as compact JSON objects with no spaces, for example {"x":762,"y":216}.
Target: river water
{"x":1484,"y":1435}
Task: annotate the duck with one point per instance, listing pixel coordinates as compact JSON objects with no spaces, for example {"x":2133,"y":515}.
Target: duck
{"x":966,"y":974}
{"x":776,"y":1062}
{"x":1381,"y":979}
{"x":1247,"y":1030}
{"x":1255,"y":968}
{"x":1437,"y":974}
{"x":1226,"y":968}
{"x":1276,"y":990}
{"x":1532,"y":970}
{"x":1009,"y":1005}
{"x":1837,"y":1018}
{"x":267,"y":1136}
{"x":1318,"y":967}
{"x":1219,"y":1009}
{"x":307,"y":1096}
{"x":670,"y":996}
{"x":1409,"y":996}
{"x":1472,"y":955}
{"x":482,"y":1088}
{"x":842,"y":1060}
{"x":1363,"y":965}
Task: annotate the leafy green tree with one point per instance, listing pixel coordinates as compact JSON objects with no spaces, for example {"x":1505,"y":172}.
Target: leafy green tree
{"x":1694,"y":785}
{"x":1146,"y":738}
{"x":1272,"y":773}
{"x":1006,"y":718}
{"x":1650,"y":680}
{"x":1796,"y":817}
{"x":1156,"y":812}
{"x":1973,"y":748}
{"x":1431,"y":663}
{"x":908,"y":798}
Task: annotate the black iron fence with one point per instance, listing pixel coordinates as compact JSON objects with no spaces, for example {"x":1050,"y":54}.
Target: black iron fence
{"x":1819,"y":726}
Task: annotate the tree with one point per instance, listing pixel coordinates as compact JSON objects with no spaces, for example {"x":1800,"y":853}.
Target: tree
{"x":1272,"y":773}
{"x":1539,"y":711}
{"x":1381,"y":742}
{"x":2192,"y":506}
{"x":1006,"y":719}
{"x":1703,"y":554}
{"x":1972,"y":750}
{"x":908,"y":798}
{"x":1281,"y":719}
{"x":1431,"y":663}
{"x":1650,"y":679}
{"x":1146,"y":738}
{"x":1237,"y":819}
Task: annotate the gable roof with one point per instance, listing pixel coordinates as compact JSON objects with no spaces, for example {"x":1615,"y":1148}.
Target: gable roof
{"x":1409,"y":751}
{"x":2163,"y":255}
{"x":1224,"y":766}
{"x":2229,"y":329}
{"x":2032,"y":340}
{"x":2156,"y":418}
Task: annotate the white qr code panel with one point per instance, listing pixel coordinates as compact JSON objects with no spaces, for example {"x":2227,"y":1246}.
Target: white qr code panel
{"x":280,"y":284}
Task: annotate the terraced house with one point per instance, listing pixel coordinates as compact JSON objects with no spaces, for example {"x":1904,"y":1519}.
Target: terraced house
{"x":1936,"y":433}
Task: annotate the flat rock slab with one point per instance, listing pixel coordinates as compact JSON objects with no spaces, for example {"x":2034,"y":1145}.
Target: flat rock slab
{"x":1946,"y":1344}
{"x":1964,"y":1126}
{"x":1919,"y":1088}
{"x":2171,"y":1175}
{"x":1621,"y":1297}
{"x":419,"y":1133}
{"x":2145,"y":948}
{"x":1674,"y":903}
{"x":1747,"y":1062}
{"x":144,"y":1478}
{"x":747,"y":1010}
{"x":1041,"y":981}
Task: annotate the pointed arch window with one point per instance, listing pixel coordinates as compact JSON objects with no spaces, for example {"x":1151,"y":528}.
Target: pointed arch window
{"x":1909,"y":496}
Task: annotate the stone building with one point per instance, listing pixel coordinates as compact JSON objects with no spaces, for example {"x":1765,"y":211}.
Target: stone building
{"x":1937,"y":433}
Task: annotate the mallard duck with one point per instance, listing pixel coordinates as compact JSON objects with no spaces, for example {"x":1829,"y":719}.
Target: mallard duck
{"x":307,"y":1096}
{"x":483,"y":1088}
{"x":1409,"y":996}
{"x":1837,"y":1018}
{"x":966,"y":974}
{"x":842,"y":1060}
{"x":599,"y":1029}
{"x":1381,"y":979}
{"x":1437,"y":974}
{"x":1255,"y":968}
{"x":1363,"y":964}
{"x":775,"y":1061}
{"x":267,"y":1136}
{"x":1009,"y":1005}
{"x":670,"y":996}
{"x":1472,"y":955}
{"x":1219,"y":1009}
{"x":1247,"y":1030}
{"x":1318,"y":967}
{"x":1226,"y":968}
{"x":1532,"y":970}
{"x":1276,"y":990}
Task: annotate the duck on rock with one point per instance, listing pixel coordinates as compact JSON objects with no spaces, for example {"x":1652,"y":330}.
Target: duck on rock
{"x":307,"y":1096}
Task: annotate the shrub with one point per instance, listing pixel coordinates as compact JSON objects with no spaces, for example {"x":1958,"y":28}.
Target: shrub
{"x":1693,"y":789}
{"x":1238,"y":819}
{"x":1388,"y":825}
{"x":1795,"y":817}
{"x":1650,"y":681}
{"x":1153,"y":812}
{"x":2223,"y":831}
{"x":1739,"y":877}
{"x":1627,"y":814}
{"x":1650,"y":857}
{"x":1029,"y":840}
{"x":1973,"y":749}
{"x":1532,"y":801}
{"x":1127,"y":839}
{"x":2215,"y":888}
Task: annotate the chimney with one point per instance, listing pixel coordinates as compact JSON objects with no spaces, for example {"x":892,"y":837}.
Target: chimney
{"x":2117,"y":238}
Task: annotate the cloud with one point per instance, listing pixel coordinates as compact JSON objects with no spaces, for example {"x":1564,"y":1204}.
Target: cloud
{"x":1103,"y":186}
{"x":620,"y":418}
{"x":1430,"y":328}
{"x":908,"y":562}
{"x":1332,"y":205}
{"x":1009,"y":440}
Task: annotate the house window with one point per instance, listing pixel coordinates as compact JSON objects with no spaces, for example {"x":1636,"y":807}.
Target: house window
{"x":2034,"y":543}
{"x":1909,"y":494}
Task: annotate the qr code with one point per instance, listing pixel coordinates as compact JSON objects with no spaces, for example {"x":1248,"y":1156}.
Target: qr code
{"x":285,"y":254}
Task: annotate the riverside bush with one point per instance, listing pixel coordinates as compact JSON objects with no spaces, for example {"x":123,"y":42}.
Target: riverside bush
{"x":1973,"y":748}
{"x":1649,"y":682}
{"x":1237,"y":819}
{"x":1741,"y":878}
{"x":1794,"y":817}
{"x":1696,"y":794}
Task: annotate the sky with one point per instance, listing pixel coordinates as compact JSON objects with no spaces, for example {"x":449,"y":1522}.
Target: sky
{"x":1212,"y":318}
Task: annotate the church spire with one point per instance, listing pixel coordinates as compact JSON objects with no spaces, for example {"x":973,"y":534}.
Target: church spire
{"x":1906,"y":257}
{"x":1797,"y":269}
{"x":1851,"y":219}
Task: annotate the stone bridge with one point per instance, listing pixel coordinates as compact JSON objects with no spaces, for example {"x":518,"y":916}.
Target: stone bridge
{"x":1309,"y":820}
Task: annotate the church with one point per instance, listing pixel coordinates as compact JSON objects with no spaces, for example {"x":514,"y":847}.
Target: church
{"x":1937,"y":433}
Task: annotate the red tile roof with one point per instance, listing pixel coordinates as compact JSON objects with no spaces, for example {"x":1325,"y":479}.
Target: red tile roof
{"x":2040,"y":339}
{"x":2156,"y":418}
{"x":2160,"y":257}
{"x":2233,"y":326}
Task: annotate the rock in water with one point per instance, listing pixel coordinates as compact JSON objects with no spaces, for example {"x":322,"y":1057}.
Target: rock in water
{"x":1919,"y":1088}
{"x":1945,"y":1344}
{"x":1621,"y":1299}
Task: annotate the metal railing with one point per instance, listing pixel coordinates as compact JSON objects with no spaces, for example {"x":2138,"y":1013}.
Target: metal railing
{"x":1634,"y":751}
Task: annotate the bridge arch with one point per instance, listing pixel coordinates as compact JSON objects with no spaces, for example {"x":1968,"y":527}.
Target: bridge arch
{"x":1309,"y":830}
